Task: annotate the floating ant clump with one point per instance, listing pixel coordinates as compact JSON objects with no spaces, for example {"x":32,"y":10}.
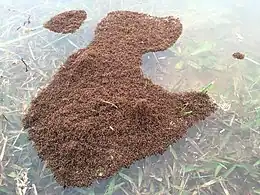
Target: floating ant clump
{"x":66,"y":22}
{"x":238,"y":55}
{"x":242,"y":56}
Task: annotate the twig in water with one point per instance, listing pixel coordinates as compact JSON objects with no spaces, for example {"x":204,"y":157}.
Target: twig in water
{"x":253,"y":61}
{"x":34,"y":189}
{"x":25,"y":22}
{"x":26,"y":65}
{"x":28,"y":21}
{"x":242,"y":56}
{"x":3,"y":149}
{"x":4,"y":117}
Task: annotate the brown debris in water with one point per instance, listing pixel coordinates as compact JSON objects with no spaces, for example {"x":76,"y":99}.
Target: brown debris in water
{"x":238,"y":55}
{"x":100,"y":114}
{"x":66,"y":22}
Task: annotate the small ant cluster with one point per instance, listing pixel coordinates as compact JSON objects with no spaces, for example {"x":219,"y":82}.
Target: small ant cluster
{"x":238,"y":55}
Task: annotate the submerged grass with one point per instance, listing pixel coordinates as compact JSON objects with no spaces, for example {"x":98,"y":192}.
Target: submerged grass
{"x":218,"y":156}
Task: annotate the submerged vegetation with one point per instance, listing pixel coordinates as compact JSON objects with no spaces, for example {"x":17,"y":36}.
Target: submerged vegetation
{"x":218,"y":156}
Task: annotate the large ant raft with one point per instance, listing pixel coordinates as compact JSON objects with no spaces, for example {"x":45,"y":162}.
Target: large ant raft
{"x":99,"y":113}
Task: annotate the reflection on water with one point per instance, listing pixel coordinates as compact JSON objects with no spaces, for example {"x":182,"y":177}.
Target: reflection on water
{"x":218,"y":156}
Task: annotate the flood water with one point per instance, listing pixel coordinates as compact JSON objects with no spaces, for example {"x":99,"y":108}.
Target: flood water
{"x":220,"y":155}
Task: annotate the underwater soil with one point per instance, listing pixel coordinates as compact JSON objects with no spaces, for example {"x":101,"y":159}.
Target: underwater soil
{"x":66,"y":22}
{"x":99,"y":113}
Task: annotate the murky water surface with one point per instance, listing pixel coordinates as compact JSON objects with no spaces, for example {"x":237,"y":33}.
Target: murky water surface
{"x":218,"y":156}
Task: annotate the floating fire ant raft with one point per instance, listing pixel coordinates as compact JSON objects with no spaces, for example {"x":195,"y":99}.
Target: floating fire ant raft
{"x":238,"y":55}
{"x":100,"y":114}
{"x":66,"y":22}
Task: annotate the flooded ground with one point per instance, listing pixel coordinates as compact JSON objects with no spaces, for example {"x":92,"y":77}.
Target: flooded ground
{"x":218,"y":156}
